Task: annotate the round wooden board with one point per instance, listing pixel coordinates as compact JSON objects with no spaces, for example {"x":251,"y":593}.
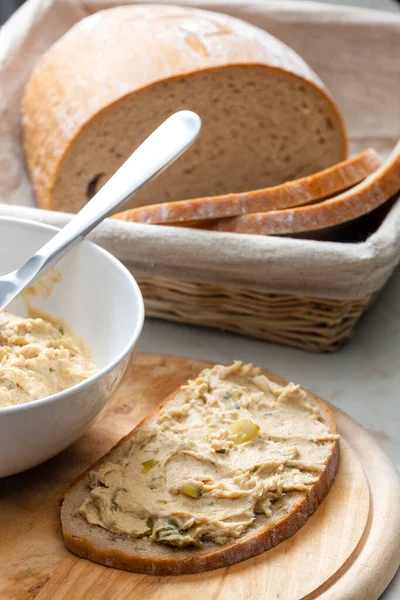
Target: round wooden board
{"x":348,"y":550}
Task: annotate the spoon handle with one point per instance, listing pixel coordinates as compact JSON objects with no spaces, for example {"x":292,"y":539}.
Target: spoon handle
{"x":161,"y":148}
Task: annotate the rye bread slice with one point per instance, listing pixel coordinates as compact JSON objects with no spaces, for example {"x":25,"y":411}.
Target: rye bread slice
{"x":141,"y":556}
{"x":305,"y":190}
{"x":374,"y":191}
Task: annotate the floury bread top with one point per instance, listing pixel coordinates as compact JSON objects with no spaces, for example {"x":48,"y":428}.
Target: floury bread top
{"x":110,"y":80}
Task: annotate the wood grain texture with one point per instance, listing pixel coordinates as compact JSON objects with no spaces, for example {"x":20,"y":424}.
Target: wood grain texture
{"x":345,"y":550}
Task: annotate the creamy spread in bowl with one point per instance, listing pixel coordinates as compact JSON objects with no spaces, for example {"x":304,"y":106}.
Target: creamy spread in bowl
{"x":39,"y":357}
{"x":224,"y":450}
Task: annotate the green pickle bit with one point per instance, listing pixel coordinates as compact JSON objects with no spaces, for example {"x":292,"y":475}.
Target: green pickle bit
{"x":191,"y":490}
{"x":148,"y":465}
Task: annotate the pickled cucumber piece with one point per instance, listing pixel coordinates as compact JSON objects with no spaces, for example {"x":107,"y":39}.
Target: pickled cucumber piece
{"x":243,"y":430}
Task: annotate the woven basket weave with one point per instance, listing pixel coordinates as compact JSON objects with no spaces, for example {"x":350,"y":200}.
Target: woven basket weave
{"x":313,"y":324}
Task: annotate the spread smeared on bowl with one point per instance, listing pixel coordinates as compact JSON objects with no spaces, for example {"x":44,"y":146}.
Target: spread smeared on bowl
{"x":229,"y":446}
{"x":38,"y":358}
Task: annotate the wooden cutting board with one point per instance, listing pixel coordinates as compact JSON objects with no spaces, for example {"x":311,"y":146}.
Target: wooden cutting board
{"x":348,"y":550}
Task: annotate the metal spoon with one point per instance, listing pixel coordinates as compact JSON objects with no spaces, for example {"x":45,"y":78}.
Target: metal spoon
{"x":162,"y":147}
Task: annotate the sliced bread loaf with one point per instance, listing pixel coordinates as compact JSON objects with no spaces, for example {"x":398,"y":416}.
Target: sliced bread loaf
{"x":360,"y":200}
{"x":227,"y":467}
{"x":101,"y":89}
{"x":306,"y":190}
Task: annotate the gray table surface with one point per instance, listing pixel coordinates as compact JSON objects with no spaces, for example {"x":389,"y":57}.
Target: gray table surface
{"x":363,"y":378}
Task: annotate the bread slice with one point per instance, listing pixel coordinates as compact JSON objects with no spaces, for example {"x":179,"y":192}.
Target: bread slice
{"x":306,"y":190}
{"x":289,"y":512}
{"x":375,"y":190}
{"x":101,"y":89}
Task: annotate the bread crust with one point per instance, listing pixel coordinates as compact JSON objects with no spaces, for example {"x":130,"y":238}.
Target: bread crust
{"x":57,"y":107}
{"x":255,"y":541}
{"x":305,"y":190}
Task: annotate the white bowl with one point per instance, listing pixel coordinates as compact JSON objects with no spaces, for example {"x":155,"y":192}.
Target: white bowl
{"x":102,"y":303}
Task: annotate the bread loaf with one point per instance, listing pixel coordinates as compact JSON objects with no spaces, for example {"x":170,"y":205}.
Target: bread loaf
{"x":108,"y":82}
{"x":227,"y":467}
{"x":306,"y":190}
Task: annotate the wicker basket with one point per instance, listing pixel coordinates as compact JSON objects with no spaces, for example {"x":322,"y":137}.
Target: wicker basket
{"x":311,"y":324}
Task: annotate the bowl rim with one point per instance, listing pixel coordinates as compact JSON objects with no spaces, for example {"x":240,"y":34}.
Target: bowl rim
{"x":138,"y":326}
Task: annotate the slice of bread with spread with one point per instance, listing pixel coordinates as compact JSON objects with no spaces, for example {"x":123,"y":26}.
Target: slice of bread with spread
{"x":228,"y":466}
{"x":101,"y":89}
{"x":306,"y":190}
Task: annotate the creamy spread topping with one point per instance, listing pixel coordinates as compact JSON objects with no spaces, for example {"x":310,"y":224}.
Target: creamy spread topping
{"x":225,"y":449}
{"x":38,"y":358}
